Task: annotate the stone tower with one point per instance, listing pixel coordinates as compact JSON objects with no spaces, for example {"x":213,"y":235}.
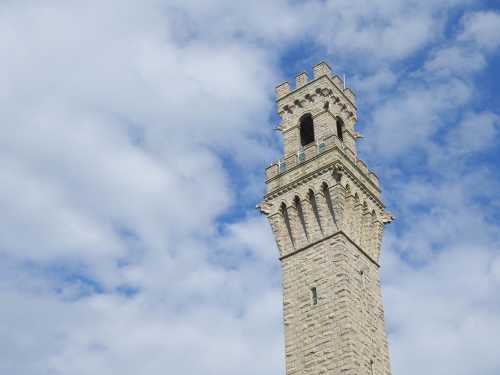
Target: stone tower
{"x":325,"y":210}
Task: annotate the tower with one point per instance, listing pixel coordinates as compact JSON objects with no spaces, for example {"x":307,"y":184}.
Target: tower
{"x":326,"y":213}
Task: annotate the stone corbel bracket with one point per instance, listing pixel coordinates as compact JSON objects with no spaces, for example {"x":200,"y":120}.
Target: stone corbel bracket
{"x":264,"y":207}
{"x":387,"y":218}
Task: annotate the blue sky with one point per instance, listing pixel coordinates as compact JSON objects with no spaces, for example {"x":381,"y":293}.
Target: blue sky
{"x":132,"y":154}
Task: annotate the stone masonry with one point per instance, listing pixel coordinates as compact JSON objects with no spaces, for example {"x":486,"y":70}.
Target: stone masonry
{"x":327,"y":216}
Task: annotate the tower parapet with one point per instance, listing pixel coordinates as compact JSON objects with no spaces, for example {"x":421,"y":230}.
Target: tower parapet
{"x":325,"y":209}
{"x":320,"y":70}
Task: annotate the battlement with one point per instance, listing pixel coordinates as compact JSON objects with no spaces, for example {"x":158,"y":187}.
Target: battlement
{"x":302,"y":79}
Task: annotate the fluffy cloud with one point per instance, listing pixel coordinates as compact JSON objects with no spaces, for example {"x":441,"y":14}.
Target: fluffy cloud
{"x":115,"y":136}
{"x":134,"y":137}
{"x":385,"y":31}
{"x":442,"y":84}
{"x":482,"y":28}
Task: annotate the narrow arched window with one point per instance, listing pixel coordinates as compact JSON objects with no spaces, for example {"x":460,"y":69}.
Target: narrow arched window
{"x":340,"y":128}
{"x":314,"y":293}
{"x":306,"y":129}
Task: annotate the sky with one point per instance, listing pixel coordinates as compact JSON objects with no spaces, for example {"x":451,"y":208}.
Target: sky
{"x":133,"y":142}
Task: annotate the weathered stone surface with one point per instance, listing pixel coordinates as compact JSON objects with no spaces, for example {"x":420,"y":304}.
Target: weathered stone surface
{"x":327,"y":216}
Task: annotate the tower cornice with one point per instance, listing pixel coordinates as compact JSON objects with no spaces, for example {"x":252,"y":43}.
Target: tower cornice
{"x":340,"y":159}
{"x":316,"y":174}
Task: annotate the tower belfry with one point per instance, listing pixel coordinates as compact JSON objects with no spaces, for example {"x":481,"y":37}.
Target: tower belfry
{"x":326,"y":213}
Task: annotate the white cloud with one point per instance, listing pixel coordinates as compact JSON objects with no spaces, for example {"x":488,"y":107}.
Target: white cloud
{"x":409,"y":119}
{"x":482,"y":28}
{"x":455,"y":60}
{"x":428,"y":97}
{"x":112,"y":177}
{"x":476,"y":133}
{"x":452,"y":306}
{"x":384,"y":31}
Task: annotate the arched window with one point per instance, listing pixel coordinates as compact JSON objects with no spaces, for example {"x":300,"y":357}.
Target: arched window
{"x":306,"y":129}
{"x":314,"y":292}
{"x":340,"y":128}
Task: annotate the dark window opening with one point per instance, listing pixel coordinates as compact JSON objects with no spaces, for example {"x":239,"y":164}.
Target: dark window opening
{"x":340,"y":128}
{"x":306,"y":130}
{"x":314,"y":295}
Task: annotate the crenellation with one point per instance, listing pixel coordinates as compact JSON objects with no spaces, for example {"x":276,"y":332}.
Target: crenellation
{"x":339,"y":82}
{"x":320,"y":90}
{"x":301,"y":79}
{"x":283,"y":89}
{"x":322,"y":69}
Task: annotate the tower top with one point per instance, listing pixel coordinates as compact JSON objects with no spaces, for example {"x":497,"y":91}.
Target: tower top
{"x":318,"y":120}
{"x":319,"y":71}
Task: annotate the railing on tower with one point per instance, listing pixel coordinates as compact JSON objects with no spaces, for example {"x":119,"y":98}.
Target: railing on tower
{"x":304,"y":154}
{"x":309,"y":152}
